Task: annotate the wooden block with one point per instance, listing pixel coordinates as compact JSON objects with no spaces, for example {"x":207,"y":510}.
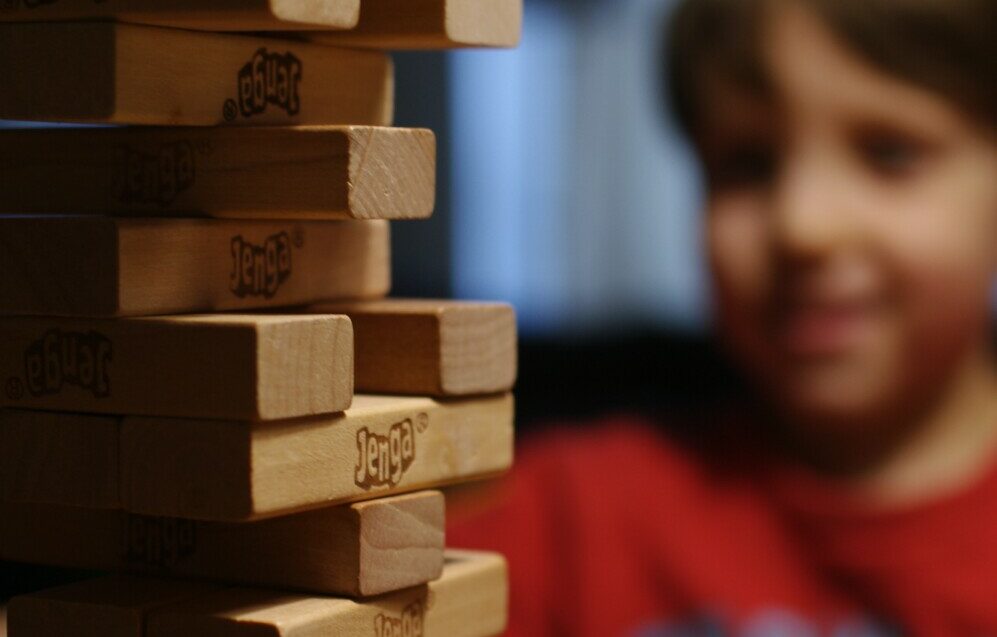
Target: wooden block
{"x":382,"y":24}
{"x":469,"y":600}
{"x":236,"y":471}
{"x":360,"y":549}
{"x":199,"y":366}
{"x":114,"y":606}
{"x":433,"y":24}
{"x":101,"y":267}
{"x":3,"y":621}
{"x":82,"y":538}
{"x":434,"y":348}
{"x":325,"y":172}
{"x":207,"y":15}
{"x":231,"y":471}
{"x":54,"y":458}
{"x":103,"y":72}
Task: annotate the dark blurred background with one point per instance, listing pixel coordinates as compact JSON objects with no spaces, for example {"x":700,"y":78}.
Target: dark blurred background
{"x":565,"y":190}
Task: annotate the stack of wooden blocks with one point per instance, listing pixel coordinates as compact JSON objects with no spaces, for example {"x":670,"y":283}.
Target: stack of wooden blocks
{"x":216,"y":459}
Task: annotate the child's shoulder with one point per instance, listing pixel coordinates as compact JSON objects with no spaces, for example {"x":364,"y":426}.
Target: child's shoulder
{"x":620,"y":466}
{"x":618,"y":446}
{"x":637,"y":450}
{"x":622,"y":500}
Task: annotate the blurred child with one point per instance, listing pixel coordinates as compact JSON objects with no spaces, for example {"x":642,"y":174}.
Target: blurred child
{"x":850,"y":149}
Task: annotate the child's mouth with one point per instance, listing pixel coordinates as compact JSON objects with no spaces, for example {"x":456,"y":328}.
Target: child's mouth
{"x":819,"y":330}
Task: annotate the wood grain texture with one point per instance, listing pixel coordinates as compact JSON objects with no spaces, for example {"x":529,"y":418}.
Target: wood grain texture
{"x":360,"y":549}
{"x":198,"y":366}
{"x":115,"y":606}
{"x":103,"y":267}
{"x":432,"y":348}
{"x":277,"y":173}
{"x":55,"y":458}
{"x":207,"y":15}
{"x":232,"y":471}
{"x":433,"y":24}
{"x":103,"y":72}
{"x":469,"y":600}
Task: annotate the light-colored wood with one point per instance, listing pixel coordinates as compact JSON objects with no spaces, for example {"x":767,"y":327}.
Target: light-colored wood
{"x":207,"y":15}
{"x":231,"y":471}
{"x":102,"y":267}
{"x":469,"y":600}
{"x":367,"y":548}
{"x":104,"y":72}
{"x":380,"y":24}
{"x":433,"y":24}
{"x":434,"y":348}
{"x":198,"y":366}
{"x":115,"y":606}
{"x":55,"y":458}
{"x":313,"y":172}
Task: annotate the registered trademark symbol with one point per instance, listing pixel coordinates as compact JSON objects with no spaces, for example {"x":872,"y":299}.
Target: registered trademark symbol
{"x":15,"y":388}
{"x":230,"y":110}
{"x":299,"y":236}
{"x":422,"y":422}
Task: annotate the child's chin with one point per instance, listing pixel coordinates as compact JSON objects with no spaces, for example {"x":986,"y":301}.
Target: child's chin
{"x":842,"y":399}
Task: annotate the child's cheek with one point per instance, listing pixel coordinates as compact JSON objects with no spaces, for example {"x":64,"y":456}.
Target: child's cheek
{"x":737,"y":237}
{"x":941,"y":247}
{"x":944,"y":300}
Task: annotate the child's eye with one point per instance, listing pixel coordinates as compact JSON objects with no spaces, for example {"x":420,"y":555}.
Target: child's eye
{"x":747,"y":166}
{"x":890,"y":154}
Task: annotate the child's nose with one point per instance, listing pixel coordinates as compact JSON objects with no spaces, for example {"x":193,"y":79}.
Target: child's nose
{"x":810,"y":218}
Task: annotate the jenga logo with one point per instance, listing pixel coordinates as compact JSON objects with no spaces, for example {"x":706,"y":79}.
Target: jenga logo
{"x":267,"y":79}
{"x":68,"y":358}
{"x":382,"y":460}
{"x":161,"y":542}
{"x":260,"y":270}
{"x":410,"y":623}
{"x":154,"y":178}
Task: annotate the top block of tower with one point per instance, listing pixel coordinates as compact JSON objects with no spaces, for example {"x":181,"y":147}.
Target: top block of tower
{"x":205,"y":15}
{"x":432,"y":24}
{"x":378,"y":24}
{"x":109,"y":73}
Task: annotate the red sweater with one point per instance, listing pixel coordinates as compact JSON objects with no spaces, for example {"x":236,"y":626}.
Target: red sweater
{"x":618,"y":531}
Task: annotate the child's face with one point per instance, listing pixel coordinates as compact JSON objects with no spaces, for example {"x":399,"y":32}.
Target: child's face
{"x":852,"y":228}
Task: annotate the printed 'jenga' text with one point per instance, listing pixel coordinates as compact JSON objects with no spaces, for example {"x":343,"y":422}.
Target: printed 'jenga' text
{"x":154,"y":178}
{"x":410,"y":624}
{"x":269,"y":79}
{"x":259,"y":270}
{"x":62,"y":358}
{"x":383,"y":459}
{"x":158,"y":542}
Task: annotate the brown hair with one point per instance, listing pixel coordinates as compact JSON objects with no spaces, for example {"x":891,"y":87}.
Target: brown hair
{"x":949,"y":46}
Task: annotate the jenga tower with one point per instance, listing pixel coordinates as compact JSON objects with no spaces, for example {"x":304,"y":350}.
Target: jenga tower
{"x":203,"y":389}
